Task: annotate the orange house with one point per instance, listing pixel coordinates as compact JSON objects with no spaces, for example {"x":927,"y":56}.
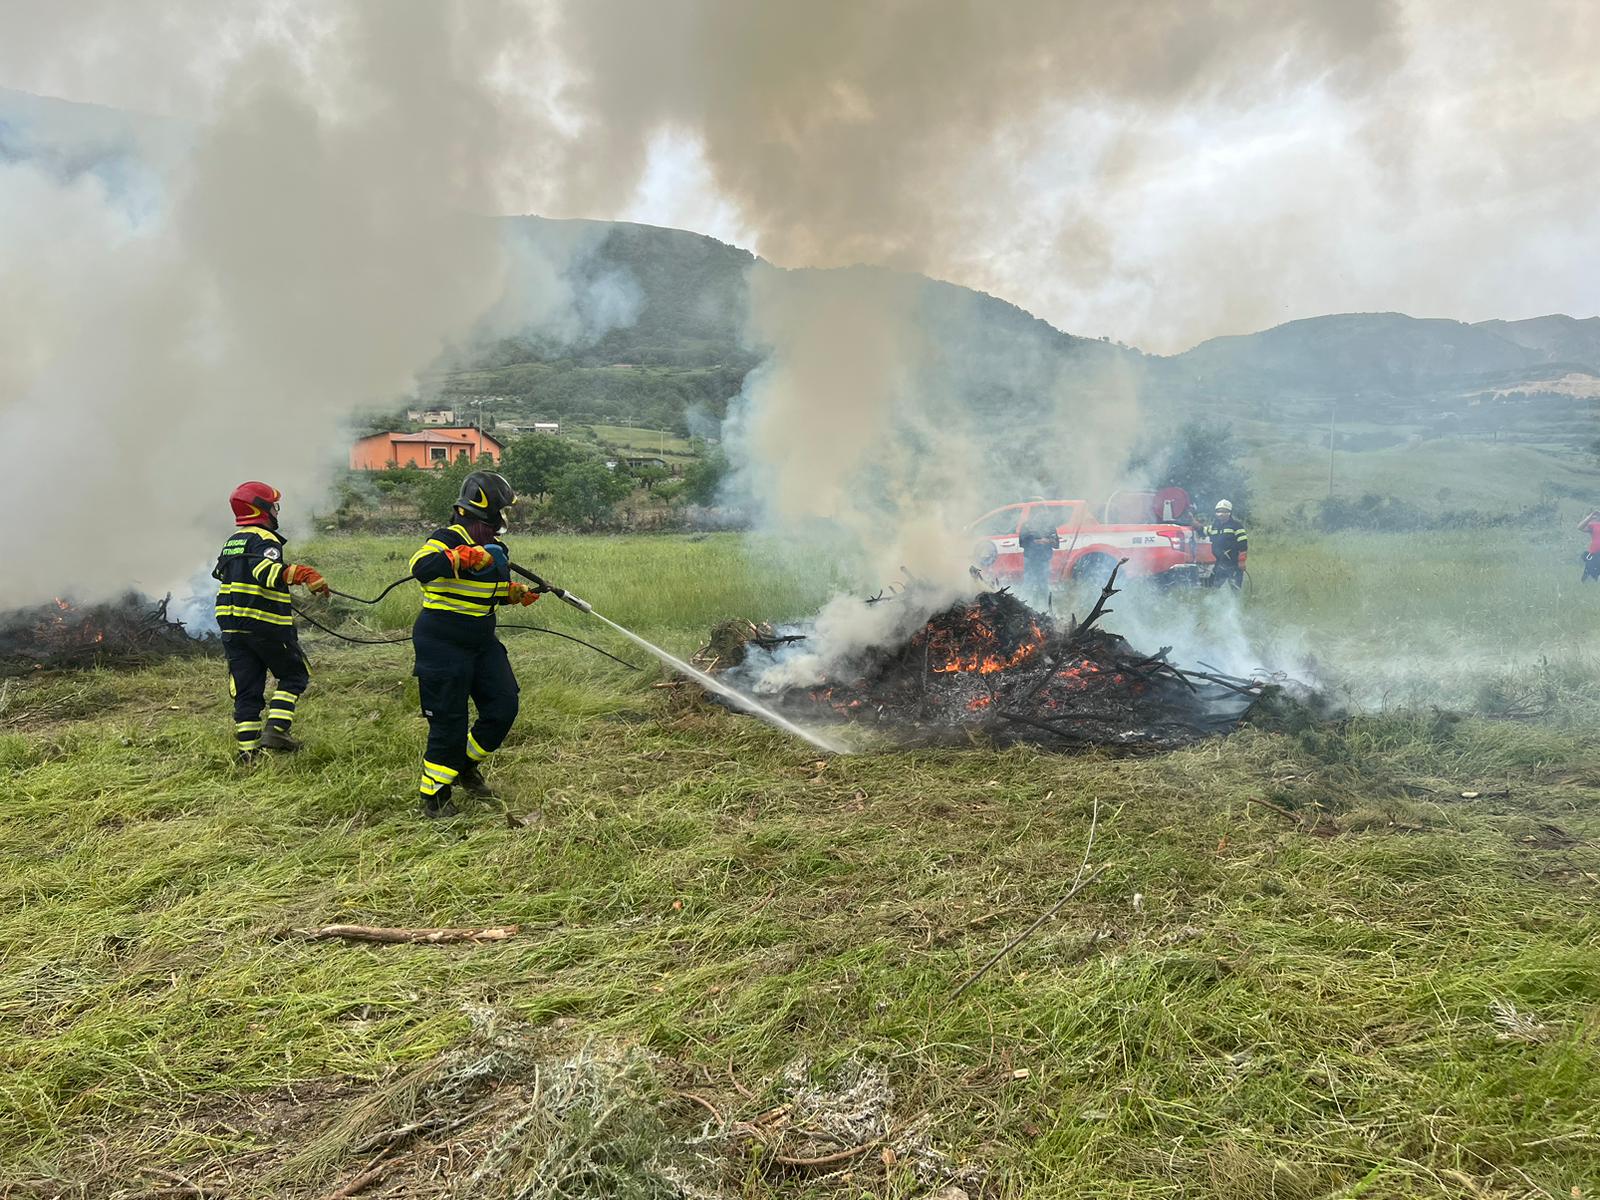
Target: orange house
{"x":432,"y":448}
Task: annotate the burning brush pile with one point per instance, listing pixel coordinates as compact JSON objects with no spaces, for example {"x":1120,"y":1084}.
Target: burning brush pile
{"x":992,"y":665}
{"x":131,"y":631}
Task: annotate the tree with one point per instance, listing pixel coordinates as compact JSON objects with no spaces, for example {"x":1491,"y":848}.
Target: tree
{"x":586,"y":494}
{"x":531,"y":464}
{"x":1204,"y":460}
{"x":702,"y":480}
{"x":648,"y":477}
{"x":441,"y":486}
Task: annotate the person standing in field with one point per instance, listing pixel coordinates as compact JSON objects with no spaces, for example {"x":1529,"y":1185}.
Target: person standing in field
{"x":465,"y":573}
{"x":1230,"y":545}
{"x":1039,"y":540}
{"x":257,"y":623}
{"x":1591,"y":557}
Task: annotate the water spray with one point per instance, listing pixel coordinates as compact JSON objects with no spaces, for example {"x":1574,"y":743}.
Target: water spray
{"x":735,"y":697}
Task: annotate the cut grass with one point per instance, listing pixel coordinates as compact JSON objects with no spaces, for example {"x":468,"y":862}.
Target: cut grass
{"x":1290,"y":1009}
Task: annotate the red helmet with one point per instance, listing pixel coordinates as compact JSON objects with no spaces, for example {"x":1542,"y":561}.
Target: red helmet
{"x":256,"y":503}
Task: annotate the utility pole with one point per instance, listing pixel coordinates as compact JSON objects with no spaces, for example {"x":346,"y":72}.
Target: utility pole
{"x":1333,"y":412}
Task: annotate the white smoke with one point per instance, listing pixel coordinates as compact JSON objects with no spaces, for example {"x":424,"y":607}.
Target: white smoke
{"x":317,"y":241}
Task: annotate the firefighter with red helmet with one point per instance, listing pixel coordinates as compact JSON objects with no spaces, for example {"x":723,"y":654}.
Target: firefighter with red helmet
{"x":465,"y":573}
{"x":257,"y":623}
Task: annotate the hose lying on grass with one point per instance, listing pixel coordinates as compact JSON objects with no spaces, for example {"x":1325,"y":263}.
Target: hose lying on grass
{"x":344,"y":637}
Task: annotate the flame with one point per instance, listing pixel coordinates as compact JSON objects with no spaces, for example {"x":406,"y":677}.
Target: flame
{"x":978,"y":703}
{"x":62,"y":604}
{"x":980,"y":648}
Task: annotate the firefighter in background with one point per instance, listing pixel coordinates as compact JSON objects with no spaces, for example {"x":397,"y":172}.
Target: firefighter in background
{"x":1039,"y":540}
{"x":465,"y":573}
{"x":257,"y":623}
{"x":1230,"y":545}
{"x":1591,"y":557}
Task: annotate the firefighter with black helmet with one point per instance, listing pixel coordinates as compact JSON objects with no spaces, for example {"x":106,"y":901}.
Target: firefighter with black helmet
{"x":465,"y":573}
{"x":257,"y":623}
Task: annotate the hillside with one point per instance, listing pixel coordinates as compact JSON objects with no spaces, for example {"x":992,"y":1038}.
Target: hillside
{"x":659,"y":337}
{"x":636,"y":324}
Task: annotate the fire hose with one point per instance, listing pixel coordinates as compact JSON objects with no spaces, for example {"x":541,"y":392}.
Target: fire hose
{"x":540,"y":584}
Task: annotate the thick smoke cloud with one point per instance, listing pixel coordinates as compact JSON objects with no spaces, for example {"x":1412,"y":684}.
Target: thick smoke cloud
{"x":1160,"y":172}
{"x":319,"y":238}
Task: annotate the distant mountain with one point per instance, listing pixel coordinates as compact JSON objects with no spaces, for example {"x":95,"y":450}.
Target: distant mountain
{"x":1559,"y":338}
{"x":1386,"y":353}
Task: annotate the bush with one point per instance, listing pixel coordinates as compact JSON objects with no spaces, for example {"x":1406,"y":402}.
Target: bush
{"x":586,"y":495}
{"x":1389,"y":514}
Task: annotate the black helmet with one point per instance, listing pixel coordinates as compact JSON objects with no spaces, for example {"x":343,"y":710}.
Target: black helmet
{"x":485,"y":496}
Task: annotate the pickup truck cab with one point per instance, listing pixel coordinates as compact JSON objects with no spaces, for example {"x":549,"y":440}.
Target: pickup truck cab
{"x":1167,"y":550}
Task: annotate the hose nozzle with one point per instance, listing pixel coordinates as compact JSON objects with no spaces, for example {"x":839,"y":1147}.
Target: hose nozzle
{"x":545,"y":585}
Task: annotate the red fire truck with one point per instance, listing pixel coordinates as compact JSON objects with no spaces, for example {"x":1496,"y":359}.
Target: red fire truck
{"x":1149,"y":529}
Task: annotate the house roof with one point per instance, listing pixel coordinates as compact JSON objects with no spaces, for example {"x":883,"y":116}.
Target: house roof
{"x":441,"y":436}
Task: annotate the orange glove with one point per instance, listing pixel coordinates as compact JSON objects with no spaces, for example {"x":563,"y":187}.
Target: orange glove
{"x":310,"y":576}
{"x":517,"y":593}
{"x":468,"y":558}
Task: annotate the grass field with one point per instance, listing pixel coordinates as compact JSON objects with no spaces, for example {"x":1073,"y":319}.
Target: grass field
{"x":1306,"y":965}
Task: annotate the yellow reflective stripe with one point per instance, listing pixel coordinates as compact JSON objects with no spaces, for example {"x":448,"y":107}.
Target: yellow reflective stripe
{"x":466,"y":587}
{"x":436,"y":771}
{"x":465,"y":607}
{"x":247,"y":726}
{"x":254,"y":614}
{"x":291,"y":697}
{"x":474,"y":751}
{"x":431,"y":546}
{"x":268,"y":572}
{"x":250,"y":589}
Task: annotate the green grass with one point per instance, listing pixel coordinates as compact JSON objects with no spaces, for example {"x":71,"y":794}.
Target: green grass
{"x":1282,"y":1013}
{"x":645,"y":441}
{"x":1439,"y":475}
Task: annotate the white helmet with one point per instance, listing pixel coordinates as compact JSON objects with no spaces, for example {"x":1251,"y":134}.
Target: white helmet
{"x":1224,"y":505}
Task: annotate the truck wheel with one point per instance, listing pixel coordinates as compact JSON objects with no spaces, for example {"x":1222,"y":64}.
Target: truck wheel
{"x":1093,"y":569}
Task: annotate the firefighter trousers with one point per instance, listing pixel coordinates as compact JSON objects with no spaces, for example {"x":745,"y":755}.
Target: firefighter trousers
{"x":251,"y":657}
{"x":450,"y":673}
{"x":1036,"y":578}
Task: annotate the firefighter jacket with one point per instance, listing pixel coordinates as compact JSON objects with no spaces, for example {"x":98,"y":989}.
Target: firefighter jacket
{"x":254,"y":596}
{"x":1039,"y":534}
{"x":444,"y":590}
{"x":1229,"y":541}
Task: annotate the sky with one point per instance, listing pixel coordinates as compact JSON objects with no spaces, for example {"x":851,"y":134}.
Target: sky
{"x":1157,"y":173}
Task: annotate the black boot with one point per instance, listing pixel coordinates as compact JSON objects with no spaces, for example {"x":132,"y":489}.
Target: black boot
{"x":439,"y":805}
{"x":246,"y":760}
{"x":278,"y":739}
{"x":473,"y":781}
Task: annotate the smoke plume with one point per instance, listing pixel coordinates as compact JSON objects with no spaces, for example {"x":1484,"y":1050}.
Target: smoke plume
{"x":318,"y":238}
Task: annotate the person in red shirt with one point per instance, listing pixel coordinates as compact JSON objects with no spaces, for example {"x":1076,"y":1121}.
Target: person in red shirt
{"x":1591,"y":557}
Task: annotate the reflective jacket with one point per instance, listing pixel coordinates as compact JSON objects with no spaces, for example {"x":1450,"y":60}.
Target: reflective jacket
{"x":445,"y":590}
{"x":253,"y":598}
{"x":1229,"y":541}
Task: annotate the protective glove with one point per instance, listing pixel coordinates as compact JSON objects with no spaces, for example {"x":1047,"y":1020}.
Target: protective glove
{"x":467,"y":559}
{"x":1243,"y":554}
{"x":517,"y":593}
{"x":309,"y":576}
